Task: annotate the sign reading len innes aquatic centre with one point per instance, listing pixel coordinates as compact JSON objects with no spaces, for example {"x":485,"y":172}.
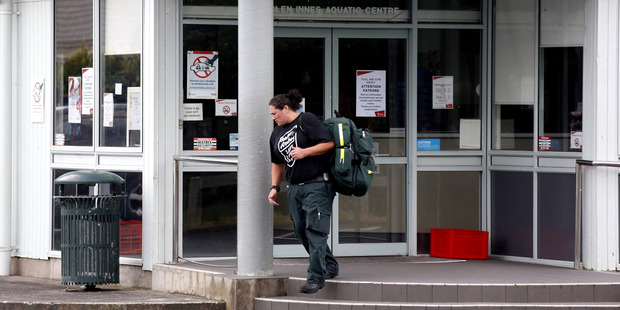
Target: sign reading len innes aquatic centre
{"x":315,"y":12}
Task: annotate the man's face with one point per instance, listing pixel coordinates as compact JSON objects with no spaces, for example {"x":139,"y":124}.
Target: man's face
{"x":279,"y":115}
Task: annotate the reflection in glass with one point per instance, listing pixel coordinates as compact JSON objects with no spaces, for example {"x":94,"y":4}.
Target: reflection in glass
{"x":73,"y":51}
{"x":283,"y":230}
{"x":561,"y":96}
{"x":462,"y":5}
{"x":447,"y":199}
{"x":222,"y":39}
{"x":513,"y":127}
{"x":209,"y":214}
{"x":308,"y":76}
{"x":210,"y":2}
{"x":388,"y":55}
{"x":512,"y":202}
{"x":121,"y":104}
{"x":514,"y":71}
{"x":556,"y":216}
{"x":463,"y":11}
{"x":379,"y":216}
{"x":130,"y":213}
{"x":454,"y":54}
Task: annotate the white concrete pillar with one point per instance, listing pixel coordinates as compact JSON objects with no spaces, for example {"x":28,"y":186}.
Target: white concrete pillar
{"x":6,"y":125}
{"x":161,"y":22}
{"x":254,"y":213}
{"x":600,"y":129}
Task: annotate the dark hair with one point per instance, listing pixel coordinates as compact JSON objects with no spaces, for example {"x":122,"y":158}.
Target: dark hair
{"x":292,"y":99}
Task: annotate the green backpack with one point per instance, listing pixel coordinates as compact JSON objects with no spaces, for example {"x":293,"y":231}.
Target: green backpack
{"x":352,"y":164}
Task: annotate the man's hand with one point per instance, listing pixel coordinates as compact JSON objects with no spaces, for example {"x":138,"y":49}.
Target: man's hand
{"x":297,"y":153}
{"x":319,"y":149}
{"x":273,"y":194}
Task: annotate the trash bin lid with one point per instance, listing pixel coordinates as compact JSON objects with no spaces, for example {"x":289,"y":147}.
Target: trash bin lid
{"x":89,"y":177}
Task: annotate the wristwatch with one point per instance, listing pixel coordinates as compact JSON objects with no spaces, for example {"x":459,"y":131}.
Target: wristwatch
{"x":276,"y":187}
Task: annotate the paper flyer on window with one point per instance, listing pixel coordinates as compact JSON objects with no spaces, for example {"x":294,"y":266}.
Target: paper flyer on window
{"x":75,"y":100}
{"x":192,"y":112}
{"x":576,"y":140}
{"x":443,"y":92}
{"x":134,"y":108}
{"x":226,"y":107}
{"x":108,"y":110}
{"x":37,"y":104}
{"x":233,"y":140}
{"x":469,"y":134}
{"x":88,"y":91}
{"x":370,"y":93}
{"x":202,"y":74}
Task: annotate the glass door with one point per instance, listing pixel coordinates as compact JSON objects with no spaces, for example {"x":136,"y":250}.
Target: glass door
{"x":370,"y":87}
{"x":301,"y":60}
{"x":332,"y":68}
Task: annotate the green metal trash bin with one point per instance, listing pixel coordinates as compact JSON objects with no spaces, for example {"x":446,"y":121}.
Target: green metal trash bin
{"x":89,"y":230}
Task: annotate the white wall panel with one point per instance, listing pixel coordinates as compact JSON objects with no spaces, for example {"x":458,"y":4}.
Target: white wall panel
{"x":32,"y":188}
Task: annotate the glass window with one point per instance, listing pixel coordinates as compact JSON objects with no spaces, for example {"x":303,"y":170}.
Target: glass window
{"x":449,"y":89}
{"x":512,"y":227}
{"x":562,"y":23}
{"x":458,"y":210}
{"x":464,"y":11}
{"x":561,"y":85}
{"x":209,"y":214}
{"x":130,"y":215}
{"x":118,"y":103}
{"x":379,"y":216}
{"x":513,"y":127}
{"x":380,"y":56}
{"x":514,"y":71}
{"x":210,"y":2}
{"x":209,"y":127}
{"x":73,"y":122}
{"x":283,"y":230}
{"x":556,"y":216}
{"x":562,"y":29}
{"x":121,"y":98}
{"x":308,"y":76}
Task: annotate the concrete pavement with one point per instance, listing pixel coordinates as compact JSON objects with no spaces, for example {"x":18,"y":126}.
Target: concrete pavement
{"x":31,"y":293}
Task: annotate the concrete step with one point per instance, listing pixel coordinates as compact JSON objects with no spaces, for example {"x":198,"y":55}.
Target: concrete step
{"x":146,"y":305}
{"x":237,"y":292}
{"x":294,"y":303}
{"x":461,"y":292}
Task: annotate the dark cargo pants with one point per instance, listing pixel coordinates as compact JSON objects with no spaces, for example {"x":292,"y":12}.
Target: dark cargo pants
{"x":311,"y":209}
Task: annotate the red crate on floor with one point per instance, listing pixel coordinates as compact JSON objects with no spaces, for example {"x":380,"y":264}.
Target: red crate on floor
{"x":459,"y":243}
{"x":130,"y":237}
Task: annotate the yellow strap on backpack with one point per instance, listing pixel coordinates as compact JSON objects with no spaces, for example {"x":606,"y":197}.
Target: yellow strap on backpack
{"x":340,"y":134}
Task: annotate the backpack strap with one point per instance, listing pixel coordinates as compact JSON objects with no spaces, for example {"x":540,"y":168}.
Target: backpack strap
{"x":353,"y":140}
{"x":300,"y":125}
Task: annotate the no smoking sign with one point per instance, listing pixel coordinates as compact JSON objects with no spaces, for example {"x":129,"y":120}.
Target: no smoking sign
{"x":226,"y":107}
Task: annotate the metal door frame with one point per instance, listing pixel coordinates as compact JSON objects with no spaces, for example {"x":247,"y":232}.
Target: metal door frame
{"x":332,"y":36}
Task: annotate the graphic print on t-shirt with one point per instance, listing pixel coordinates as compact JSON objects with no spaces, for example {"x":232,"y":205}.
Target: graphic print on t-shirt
{"x":286,"y":142}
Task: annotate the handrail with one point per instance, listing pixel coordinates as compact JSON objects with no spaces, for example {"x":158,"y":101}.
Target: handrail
{"x":175,"y":195}
{"x":578,"y":204}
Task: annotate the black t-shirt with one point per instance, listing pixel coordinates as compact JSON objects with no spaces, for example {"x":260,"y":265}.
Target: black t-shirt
{"x":286,"y":136}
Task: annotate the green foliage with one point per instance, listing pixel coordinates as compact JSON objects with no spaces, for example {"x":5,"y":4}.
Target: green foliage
{"x":78,"y":59}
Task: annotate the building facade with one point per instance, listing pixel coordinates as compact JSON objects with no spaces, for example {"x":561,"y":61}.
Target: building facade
{"x":479,"y":111}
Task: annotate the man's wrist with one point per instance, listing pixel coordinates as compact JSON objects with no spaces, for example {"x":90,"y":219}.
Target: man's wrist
{"x":276,"y":187}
